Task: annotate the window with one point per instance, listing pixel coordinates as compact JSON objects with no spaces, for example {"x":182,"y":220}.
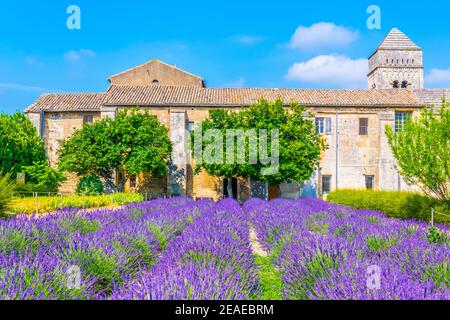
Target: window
{"x":400,"y":120}
{"x":191,"y":126}
{"x":405,"y":84}
{"x":323,"y":125}
{"x":395,"y":84}
{"x":88,"y":118}
{"x":363,"y":126}
{"x":133,"y":182}
{"x":326,"y":184}
{"x":370,"y":182}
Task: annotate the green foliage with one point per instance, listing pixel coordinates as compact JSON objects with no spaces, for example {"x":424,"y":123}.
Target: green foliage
{"x":270,"y":278}
{"x":422,"y":151}
{"x":396,"y":204}
{"x":300,"y":145}
{"x":50,"y":204}
{"x":7,"y":192}
{"x":90,"y":185}
{"x":376,"y":243}
{"x":20,"y":143}
{"x":43,"y":177}
{"x":435,"y":236}
{"x":135,"y":142}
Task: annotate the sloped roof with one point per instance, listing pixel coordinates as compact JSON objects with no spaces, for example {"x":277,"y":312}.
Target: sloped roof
{"x":68,"y":102}
{"x":397,"y":40}
{"x":222,"y":97}
{"x":430,"y":97}
{"x":152,"y":62}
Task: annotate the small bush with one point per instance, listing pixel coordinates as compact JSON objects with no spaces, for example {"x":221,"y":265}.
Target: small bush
{"x":7,"y":190}
{"x":396,"y":204}
{"x":90,"y":185}
{"x":50,"y":204}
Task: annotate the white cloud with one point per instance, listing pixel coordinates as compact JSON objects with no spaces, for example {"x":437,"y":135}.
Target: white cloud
{"x":238,"y":83}
{"x":326,"y":70}
{"x":247,"y":40}
{"x":322,"y":35}
{"x":76,"y":55}
{"x":439,"y":77}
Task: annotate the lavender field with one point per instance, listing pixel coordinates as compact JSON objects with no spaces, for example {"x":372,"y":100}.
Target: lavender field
{"x":183,"y":249}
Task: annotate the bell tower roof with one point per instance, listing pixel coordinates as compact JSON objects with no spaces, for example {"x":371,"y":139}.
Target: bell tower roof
{"x":397,"y":40}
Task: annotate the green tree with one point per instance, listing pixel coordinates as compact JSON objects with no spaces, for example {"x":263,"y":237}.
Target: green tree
{"x":300,"y":145}
{"x":422,"y":151}
{"x":135,"y":142}
{"x":7,"y":192}
{"x":42,"y":177}
{"x":20,"y":144}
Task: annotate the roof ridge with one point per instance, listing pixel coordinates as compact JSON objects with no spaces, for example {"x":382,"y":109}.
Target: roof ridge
{"x":153,"y":61}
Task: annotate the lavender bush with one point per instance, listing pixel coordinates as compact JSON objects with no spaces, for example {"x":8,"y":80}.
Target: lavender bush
{"x":183,"y":249}
{"x":327,"y":251}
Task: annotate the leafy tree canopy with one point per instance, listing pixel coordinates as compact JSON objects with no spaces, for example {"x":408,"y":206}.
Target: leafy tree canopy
{"x":134,"y":141}
{"x":422,"y":151}
{"x":300,"y":145}
{"x":20,"y":144}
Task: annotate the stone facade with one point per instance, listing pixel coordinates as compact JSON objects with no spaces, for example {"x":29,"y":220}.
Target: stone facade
{"x":180,"y":101}
{"x":156,"y":72}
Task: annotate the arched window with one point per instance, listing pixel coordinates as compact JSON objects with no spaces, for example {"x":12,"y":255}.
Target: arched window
{"x":395,"y":84}
{"x":405,"y":84}
{"x":155,"y":82}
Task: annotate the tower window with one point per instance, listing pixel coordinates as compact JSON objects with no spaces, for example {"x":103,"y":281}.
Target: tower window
{"x":395,"y":84}
{"x":405,"y":84}
{"x":155,"y":82}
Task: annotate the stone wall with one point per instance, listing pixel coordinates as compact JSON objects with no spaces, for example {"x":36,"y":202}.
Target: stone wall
{"x":157,"y":73}
{"x":358,"y":155}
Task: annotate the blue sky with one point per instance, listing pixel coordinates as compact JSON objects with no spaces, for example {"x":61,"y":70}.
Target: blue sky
{"x":310,"y":44}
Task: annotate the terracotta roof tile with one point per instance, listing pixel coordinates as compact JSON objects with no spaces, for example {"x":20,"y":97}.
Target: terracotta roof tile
{"x":68,"y":102}
{"x":193,"y":96}
{"x":221,"y":97}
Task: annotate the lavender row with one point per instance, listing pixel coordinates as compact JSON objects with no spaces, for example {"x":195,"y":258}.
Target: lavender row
{"x":40,"y":255}
{"x":326,"y":251}
{"x":211,"y":260}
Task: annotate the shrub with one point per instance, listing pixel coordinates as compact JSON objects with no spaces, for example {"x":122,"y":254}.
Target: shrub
{"x":90,"y":185}
{"x":49,"y":204}
{"x":7,"y":190}
{"x":396,"y":204}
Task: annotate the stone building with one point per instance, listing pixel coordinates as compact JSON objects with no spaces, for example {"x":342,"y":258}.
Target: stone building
{"x":352,"y":121}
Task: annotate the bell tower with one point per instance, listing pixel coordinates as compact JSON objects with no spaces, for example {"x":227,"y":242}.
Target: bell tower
{"x":397,"y":63}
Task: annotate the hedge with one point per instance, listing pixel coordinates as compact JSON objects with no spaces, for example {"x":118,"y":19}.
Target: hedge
{"x":396,"y":204}
{"x":49,"y":204}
